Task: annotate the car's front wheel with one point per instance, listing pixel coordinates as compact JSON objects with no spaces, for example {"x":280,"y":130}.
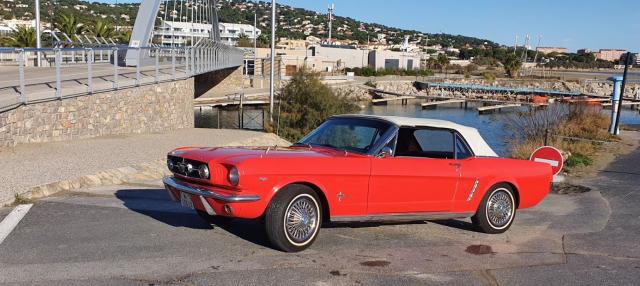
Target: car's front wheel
{"x":293,"y":218}
{"x":496,"y":211}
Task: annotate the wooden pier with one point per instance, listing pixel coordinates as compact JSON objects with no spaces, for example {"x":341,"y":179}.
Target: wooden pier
{"x":498,"y":107}
{"x":624,"y":103}
{"x":434,"y":104}
{"x":404,"y":99}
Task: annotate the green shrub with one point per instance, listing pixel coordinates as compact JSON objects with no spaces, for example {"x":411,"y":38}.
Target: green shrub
{"x":306,"y":102}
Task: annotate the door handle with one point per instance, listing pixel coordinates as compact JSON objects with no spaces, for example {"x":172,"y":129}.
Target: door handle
{"x":457,"y":165}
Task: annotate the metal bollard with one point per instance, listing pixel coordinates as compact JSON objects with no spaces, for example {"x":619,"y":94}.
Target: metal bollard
{"x":138,"y":66}
{"x":21,"y":62}
{"x":58,"y":59}
{"x":173,"y":63}
{"x":157,"y":66}
{"x":89,"y":71}
{"x":115,"y":68}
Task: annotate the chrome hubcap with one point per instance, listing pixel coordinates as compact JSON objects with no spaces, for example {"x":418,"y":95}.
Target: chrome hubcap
{"x":301,"y":220}
{"x":500,"y":209}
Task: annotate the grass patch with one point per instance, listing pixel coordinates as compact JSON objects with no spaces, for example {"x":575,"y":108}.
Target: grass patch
{"x":578,"y":159}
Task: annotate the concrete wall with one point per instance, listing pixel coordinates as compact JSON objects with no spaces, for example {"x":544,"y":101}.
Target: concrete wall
{"x":152,"y":108}
{"x":226,"y":81}
{"x":377,"y":59}
{"x":347,"y":58}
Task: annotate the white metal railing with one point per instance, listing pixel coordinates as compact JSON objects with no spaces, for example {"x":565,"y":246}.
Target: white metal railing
{"x":71,"y":72}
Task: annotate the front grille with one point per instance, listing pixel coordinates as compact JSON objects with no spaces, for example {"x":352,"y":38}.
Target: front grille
{"x":181,"y":165}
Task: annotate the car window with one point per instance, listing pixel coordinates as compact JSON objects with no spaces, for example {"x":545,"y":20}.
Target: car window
{"x":462,"y":151}
{"x":430,"y":143}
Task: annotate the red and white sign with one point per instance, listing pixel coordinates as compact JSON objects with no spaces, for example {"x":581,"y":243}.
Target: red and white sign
{"x":549,"y":155}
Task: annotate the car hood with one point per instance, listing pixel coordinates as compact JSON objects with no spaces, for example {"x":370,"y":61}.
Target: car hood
{"x":236,"y":154}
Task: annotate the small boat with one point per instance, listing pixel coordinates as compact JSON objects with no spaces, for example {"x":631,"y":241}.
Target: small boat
{"x":539,"y":99}
{"x":585,"y":100}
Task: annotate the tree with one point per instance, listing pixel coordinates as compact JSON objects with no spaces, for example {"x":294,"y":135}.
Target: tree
{"x":263,"y":41}
{"x":23,"y":37}
{"x":443,"y":62}
{"x":512,"y":65}
{"x":244,"y":41}
{"x":102,"y":29}
{"x":69,"y":25}
{"x":306,"y":102}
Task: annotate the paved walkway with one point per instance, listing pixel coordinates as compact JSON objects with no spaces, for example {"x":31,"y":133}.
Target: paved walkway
{"x":31,"y":165}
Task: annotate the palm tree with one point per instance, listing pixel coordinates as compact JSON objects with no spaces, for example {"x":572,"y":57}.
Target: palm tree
{"x":443,"y":61}
{"x":69,"y":25}
{"x":512,"y":65}
{"x":102,"y":29}
{"x":23,"y":37}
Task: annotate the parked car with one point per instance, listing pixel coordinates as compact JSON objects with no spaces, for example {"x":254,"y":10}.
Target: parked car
{"x":359,"y":168}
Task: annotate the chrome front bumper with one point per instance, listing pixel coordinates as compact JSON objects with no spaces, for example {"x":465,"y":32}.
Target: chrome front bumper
{"x":179,"y":185}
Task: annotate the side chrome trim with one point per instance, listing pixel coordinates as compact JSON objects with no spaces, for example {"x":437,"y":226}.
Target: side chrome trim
{"x":473,"y":190}
{"x":402,"y":217}
{"x":179,"y":185}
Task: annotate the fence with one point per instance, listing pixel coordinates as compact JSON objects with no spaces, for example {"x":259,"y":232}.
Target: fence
{"x":231,"y":117}
{"x":71,"y":72}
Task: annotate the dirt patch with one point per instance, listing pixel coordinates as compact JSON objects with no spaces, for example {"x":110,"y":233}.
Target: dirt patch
{"x":568,"y":189}
{"x":375,"y":263}
{"x":607,"y":154}
{"x":336,"y":273}
{"x":479,"y":249}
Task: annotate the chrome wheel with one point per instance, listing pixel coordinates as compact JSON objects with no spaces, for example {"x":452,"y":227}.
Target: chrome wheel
{"x":500,"y":208}
{"x":301,"y":219}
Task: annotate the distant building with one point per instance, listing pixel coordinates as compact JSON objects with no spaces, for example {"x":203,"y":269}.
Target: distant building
{"x":231,"y":32}
{"x":611,"y":55}
{"x":584,"y":51}
{"x":547,"y":50}
{"x":183,"y":33}
{"x":379,"y":59}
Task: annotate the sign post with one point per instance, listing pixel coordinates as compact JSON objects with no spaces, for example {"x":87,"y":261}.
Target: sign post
{"x":549,"y":155}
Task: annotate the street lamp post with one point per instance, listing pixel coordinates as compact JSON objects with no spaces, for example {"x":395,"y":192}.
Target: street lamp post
{"x":273,"y":58}
{"x":38,"y":33}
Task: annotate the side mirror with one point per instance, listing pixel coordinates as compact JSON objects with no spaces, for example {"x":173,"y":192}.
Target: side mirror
{"x":385,"y":152}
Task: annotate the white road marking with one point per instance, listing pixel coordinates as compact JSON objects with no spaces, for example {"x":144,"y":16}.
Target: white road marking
{"x":10,"y":222}
{"x":550,"y":162}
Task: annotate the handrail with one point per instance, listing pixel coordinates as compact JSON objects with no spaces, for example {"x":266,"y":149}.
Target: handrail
{"x":79,"y":71}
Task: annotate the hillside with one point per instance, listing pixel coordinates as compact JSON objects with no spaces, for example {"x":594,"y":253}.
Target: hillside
{"x":293,"y":22}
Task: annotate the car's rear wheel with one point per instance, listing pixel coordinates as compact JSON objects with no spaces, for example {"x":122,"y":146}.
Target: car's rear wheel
{"x":497,"y":210}
{"x":293,"y":218}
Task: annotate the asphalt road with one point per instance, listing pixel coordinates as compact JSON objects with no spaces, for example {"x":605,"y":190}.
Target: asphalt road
{"x":134,"y":235}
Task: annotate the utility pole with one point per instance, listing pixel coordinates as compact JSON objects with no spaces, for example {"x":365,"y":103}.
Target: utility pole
{"x":255,"y":40}
{"x":273,"y":58}
{"x":515,"y":45}
{"x":331,"y":7}
{"x":38,"y":33}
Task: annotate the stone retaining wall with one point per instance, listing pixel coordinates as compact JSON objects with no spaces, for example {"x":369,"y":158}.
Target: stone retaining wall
{"x":152,"y":108}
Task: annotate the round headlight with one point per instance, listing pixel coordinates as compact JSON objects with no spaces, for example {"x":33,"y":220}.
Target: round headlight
{"x":234,"y":176}
{"x":170,"y":165}
{"x":203,"y":171}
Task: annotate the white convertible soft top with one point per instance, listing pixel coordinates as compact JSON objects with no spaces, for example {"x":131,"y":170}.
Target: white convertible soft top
{"x":470,"y":134}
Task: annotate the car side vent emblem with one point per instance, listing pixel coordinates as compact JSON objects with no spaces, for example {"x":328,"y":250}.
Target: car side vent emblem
{"x":473,"y":190}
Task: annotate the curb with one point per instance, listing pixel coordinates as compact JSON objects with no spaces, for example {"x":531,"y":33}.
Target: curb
{"x":152,"y":170}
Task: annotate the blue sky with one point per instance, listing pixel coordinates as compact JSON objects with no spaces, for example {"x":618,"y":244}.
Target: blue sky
{"x":566,"y":23}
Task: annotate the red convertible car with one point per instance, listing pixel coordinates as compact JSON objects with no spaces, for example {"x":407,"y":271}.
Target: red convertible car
{"x":356,"y":168}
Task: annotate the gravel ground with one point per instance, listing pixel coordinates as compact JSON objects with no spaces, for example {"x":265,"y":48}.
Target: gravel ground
{"x":36,"y":164}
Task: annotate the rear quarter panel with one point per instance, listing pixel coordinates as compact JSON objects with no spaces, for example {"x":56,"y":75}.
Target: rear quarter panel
{"x":531,"y":180}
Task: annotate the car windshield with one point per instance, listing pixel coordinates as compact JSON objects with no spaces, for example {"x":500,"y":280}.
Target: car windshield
{"x":350,"y":134}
